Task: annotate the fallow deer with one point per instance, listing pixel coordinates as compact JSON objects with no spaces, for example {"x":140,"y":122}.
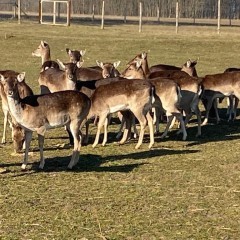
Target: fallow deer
{"x":42,"y":112}
{"x":43,"y":51}
{"x":107,"y":70}
{"x":168,"y":93}
{"x":122,"y":95}
{"x":75,"y":55}
{"x":53,"y":80}
{"x":217,"y":86}
{"x":17,"y":131}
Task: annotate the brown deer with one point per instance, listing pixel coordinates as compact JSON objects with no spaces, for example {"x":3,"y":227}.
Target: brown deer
{"x":53,"y":80}
{"x":107,"y":70}
{"x":217,"y":86}
{"x":123,"y":95}
{"x":43,"y":51}
{"x":17,"y":131}
{"x":42,"y":112}
{"x":168,"y":94}
{"x":75,"y":55}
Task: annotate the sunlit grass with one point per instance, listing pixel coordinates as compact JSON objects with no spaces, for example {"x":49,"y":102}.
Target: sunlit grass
{"x":177,"y":190}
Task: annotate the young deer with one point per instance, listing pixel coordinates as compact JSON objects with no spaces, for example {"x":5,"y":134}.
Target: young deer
{"x":43,"y":51}
{"x":17,"y":131}
{"x":42,"y":112}
{"x":123,"y":95}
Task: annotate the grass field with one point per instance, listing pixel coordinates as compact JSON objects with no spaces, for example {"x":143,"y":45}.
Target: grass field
{"x":177,"y":190}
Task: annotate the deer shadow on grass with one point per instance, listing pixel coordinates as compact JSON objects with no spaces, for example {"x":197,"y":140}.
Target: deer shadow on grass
{"x":93,"y":163}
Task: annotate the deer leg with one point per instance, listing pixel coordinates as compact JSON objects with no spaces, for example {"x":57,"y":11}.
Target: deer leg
{"x":151,"y":130}
{"x":107,"y":120}
{"x":75,"y":130}
{"x":5,"y":120}
{"x":40,"y":144}
{"x":208,"y":107}
{"x":135,"y":131}
{"x":156,"y":119}
{"x":215,"y":102}
{"x":143,"y":123}
{"x":127,"y":116}
{"x":86,"y":135}
{"x":170,"y":119}
{"x":28,"y":138}
{"x":99,"y":126}
{"x":182,"y":125}
{"x":71,"y":142}
{"x":198,"y":114}
{"x":230,"y":110}
{"x":235,"y":108}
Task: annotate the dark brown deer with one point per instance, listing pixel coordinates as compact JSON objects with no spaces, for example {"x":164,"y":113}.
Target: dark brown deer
{"x":122,"y":95}
{"x":43,"y":51}
{"x":42,"y":112}
{"x":17,"y":132}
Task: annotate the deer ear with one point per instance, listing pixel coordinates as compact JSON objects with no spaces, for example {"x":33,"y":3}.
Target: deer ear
{"x":2,"y":78}
{"x":188,"y":63}
{"x":100,"y":64}
{"x":82,"y":52}
{"x":44,"y":43}
{"x":144,"y":55}
{"x":21,"y":76}
{"x":79,"y":64}
{"x":61,"y":64}
{"x":68,"y":50}
{"x":138,"y":63}
{"x":116,"y":64}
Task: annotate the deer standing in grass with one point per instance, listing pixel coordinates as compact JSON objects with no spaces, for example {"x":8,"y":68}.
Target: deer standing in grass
{"x":17,"y":132}
{"x":123,"y":95}
{"x":219,"y":85}
{"x":42,"y":112}
{"x":168,"y":94}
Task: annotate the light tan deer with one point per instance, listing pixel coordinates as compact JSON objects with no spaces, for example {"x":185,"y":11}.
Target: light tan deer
{"x":53,"y":80}
{"x":42,"y":112}
{"x":43,"y":51}
{"x":123,"y":95}
{"x":17,"y":131}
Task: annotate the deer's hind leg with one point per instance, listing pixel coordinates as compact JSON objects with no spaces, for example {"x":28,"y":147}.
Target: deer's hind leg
{"x":76,"y":133}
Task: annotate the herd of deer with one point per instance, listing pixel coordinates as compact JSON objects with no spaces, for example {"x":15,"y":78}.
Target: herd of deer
{"x":72,"y":95}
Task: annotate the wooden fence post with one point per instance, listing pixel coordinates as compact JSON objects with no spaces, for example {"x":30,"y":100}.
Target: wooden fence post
{"x":219,"y":16}
{"x":19,"y":11}
{"x":140,"y":17}
{"x":177,"y":16}
{"x":102,"y":24}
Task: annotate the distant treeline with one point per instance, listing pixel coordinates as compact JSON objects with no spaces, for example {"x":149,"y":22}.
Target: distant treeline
{"x":188,"y":8}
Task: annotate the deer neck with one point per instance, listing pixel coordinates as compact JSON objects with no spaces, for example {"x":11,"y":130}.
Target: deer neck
{"x":46,"y":57}
{"x":16,"y":108}
{"x":145,"y":67}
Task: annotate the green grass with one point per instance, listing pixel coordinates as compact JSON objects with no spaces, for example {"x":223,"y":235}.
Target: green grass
{"x":177,"y":190}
